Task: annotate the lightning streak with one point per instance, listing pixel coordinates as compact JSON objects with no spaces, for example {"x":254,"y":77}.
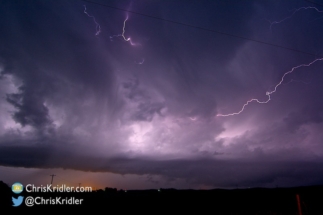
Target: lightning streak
{"x":268,"y":93}
{"x":295,"y":11}
{"x":98,"y":28}
{"x":292,"y":80}
{"x":122,"y":35}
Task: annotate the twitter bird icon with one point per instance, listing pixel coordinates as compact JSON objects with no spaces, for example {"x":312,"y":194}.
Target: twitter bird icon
{"x":17,"y":201}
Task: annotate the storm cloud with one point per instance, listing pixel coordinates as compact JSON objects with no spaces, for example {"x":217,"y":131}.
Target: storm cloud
{"x":75,"y":100}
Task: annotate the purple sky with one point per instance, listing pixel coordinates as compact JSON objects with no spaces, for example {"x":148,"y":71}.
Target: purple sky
{"x":81,"y":100}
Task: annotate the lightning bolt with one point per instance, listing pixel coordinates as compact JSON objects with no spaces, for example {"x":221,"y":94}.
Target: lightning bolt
{"x":288,"y":17}
{"x":293,"y":80}
{"x":98,"y":28}
{"x":123,"y":32}
{"x":268,"y":93}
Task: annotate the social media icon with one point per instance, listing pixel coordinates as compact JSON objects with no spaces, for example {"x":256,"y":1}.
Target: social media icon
{"x":17,"y":188}
{"x":17,"y":201}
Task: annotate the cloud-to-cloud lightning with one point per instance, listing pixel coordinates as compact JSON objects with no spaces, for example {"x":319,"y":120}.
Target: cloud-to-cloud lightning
{"x":268,"y":93}
{"x":294,"y":12}
{"x":123,"y":32}
{"x":98,"y":28}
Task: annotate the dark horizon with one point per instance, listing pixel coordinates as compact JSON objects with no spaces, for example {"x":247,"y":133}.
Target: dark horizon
{"x":298,"y":200}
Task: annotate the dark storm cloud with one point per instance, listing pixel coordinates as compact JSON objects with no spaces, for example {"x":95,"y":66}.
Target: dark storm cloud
{"x":29,"y":102}
{"x":185,"y":54}
{"x":222,"y":173}
{"x":295,"y":120}
{"x":43,"y":61}
{"x":47,"y":43}
{"x":84,"y":103}
{"x":145,"y":106}
{"x":147,"y":111}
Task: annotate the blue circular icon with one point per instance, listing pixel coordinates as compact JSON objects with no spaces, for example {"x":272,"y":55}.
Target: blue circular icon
{"x":17,"y":187}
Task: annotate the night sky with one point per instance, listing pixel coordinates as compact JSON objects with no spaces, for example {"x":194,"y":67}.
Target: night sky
{"x":105,"y":97}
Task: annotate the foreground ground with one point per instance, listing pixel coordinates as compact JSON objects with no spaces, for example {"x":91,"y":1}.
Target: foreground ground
{"x":238,"y":201}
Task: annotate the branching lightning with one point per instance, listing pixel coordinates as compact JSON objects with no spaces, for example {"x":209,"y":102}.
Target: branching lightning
{"x":98,"y":28}
{"x":268,"y":93}
{"x":123,"y":32}
{"x":294,"y":12}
